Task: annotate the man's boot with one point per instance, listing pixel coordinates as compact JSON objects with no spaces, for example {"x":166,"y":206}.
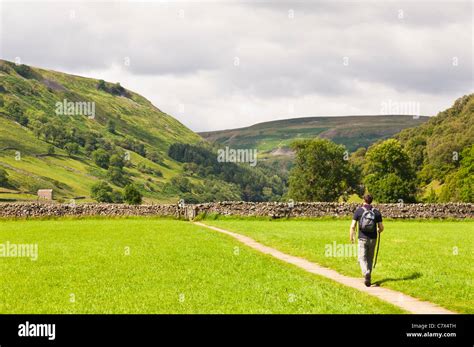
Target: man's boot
{"x":367,"y":279}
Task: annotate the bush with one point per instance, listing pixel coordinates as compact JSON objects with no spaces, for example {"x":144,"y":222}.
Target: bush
{"x":24,"y":70}
{"x":116,"y":197}
{"x":155,"y":157}
{"x":111,"y":126}
{"x":3,"y":178}
{"x":132,"y":195}
{"x":101,"y":192}
{"x":15,"y":111}
{"x":117,"y":176}
{"x":71,"y":148}
{"x":101,"y":158}
{"x":116,"y":161}
{"x":148,"y":170}
{"x":51,"y":150}
{"x":182,"y":183}
{"x":101,"y":85}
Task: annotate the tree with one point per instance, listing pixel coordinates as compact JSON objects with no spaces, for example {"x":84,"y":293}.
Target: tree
{"x":389,"y":175}
{"x":51,"y":150}
{"x":117,"y":176}
{"x":24,"y":70}
{"x":390,"y":188}
{"x":23,"y":120}
{"x":14,"y":109}
{"x":101,"y":158}
{"x":321,"y":171}
{"x":116,"y":197}
{"x":182,"y":183}
{"x":132,"y":195}
{"x":101,"y":192}
{"x":111,"y":126}
{"x":116,"y":161}
{"x":155,"y":157}
{"x":71,"y":148}
{"x":101,"y":85}
{"x":3,"y":178}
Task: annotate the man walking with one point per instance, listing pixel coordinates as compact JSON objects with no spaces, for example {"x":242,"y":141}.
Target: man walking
{"x":370,"y":224}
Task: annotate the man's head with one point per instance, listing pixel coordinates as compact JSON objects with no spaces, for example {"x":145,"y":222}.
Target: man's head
{"x":368,"y":199}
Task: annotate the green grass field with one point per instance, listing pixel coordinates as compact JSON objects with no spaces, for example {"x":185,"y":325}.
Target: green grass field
{"x":150,"y":265}
{"x":430,"y":260}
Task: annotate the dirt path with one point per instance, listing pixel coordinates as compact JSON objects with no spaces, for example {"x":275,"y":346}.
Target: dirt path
{"x":401,"y":300}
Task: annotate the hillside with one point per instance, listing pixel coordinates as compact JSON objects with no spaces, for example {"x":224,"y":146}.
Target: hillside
{"x":44,"y":145}
{"x":442,"y":152}
{"x":274,"y":137}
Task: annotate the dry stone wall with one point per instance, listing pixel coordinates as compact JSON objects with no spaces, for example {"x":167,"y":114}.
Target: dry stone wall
{"x":240,"y":208}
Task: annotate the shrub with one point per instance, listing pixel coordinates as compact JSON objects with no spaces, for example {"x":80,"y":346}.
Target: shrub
{"x":117,"y":176}
{"x":111,"y":126}
{"x":101,"y":192}
{"x":116,"y":197}
{"x":51,"y":150}
{"x":132,"y":195}
{"x":3,"y":178}
{"x":101,"y":158}
{"x":71,"y":148}
{"x":116,"y":161}
{"x":24,"y":70}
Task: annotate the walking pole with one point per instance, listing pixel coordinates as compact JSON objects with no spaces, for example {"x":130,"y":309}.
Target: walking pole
{"x":377,"y":253}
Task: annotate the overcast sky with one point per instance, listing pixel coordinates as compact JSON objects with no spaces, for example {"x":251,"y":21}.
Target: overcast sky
{"x":217,"y":65}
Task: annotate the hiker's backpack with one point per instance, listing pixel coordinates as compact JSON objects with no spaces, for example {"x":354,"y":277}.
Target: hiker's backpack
{"x":367,"y":221}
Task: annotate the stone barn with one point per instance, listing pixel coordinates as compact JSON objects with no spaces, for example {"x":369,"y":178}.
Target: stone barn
{"x":45,"y":194}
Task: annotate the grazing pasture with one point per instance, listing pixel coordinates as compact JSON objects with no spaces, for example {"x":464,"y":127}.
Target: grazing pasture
{"x":153,"y":265}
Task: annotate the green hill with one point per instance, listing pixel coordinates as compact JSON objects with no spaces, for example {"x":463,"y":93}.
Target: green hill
{"x":442,"y":152}
{"x":274,"y":137}
{"x":44,"y":146}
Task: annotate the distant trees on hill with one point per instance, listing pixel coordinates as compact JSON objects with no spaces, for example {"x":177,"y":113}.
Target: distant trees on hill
{"x":114,"y":89}
{"x":257,"y":183}
{"x":439,"y":150}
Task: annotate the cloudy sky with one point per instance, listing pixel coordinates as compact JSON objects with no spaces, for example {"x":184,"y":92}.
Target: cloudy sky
{"x":226,"y":64}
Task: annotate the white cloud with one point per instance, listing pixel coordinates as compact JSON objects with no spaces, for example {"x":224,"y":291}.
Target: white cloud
{"x":183,"y":53}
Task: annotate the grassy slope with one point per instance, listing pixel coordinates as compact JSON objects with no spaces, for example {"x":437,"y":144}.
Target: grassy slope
{"x":352,"y":131}
{"x":167,"y":259}
{"x":134,"y":116}
{"x":416,"y":257}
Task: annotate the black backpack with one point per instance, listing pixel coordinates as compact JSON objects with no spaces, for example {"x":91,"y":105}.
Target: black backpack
{"x":367,"y":221}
